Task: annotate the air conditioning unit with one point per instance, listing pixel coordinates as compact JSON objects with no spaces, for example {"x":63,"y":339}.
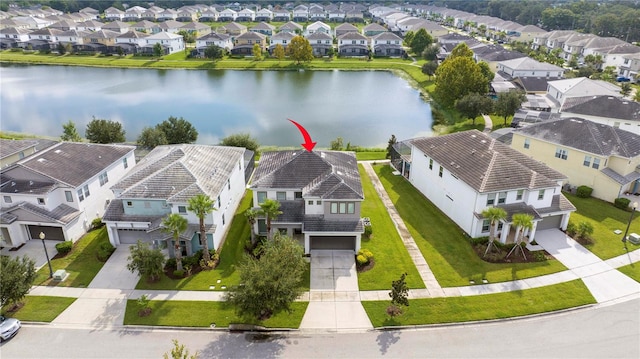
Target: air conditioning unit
{"x":60,"y":275}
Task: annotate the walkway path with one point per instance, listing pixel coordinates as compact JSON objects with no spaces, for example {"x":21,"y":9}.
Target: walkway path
{"x":488,"y":124}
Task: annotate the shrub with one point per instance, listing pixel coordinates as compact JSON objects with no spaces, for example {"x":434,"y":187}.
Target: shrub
{"x":394,"y":310}
{"x":178,"y":273}
{"x":368,"y":231}
{"x":366,"y":253}
{"x":105,"y":251}
{"x":584,"y":191}
{"x":585,"y":230}
{"x":622,"y":203}
{"x":539,"y":256}
{"x":143,"y":305}
{"x":361,"y":260}
{"x":571,"y":229}
{"x":96,"y":223}
{"x":64,"y":247}
{"x":479,"y":241}
{"x":170,"y":264}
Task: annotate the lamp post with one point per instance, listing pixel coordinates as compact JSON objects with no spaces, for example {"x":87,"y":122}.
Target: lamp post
{"x":633,"y":210}
{"x":46,"y":254}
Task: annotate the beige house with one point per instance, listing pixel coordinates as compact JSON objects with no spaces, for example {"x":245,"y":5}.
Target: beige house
{"x":602,"y":157}
{"x":11,"y":151}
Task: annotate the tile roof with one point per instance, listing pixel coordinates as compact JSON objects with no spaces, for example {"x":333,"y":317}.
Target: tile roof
{"x":527,"y":63}
{"x":283,"y":35}
{"x":353,"y":36}
{"x":319,"y":224}
{"x":586,"y":136}
{"x":582,"y":86}
{"x":11,"y":147}
{"x":319,"y":36}
{"x":115,"y":213}
{"x":292,"y":212}
{"x":603,"y":106}
{"x":324,"y":174}
{"x":486,"y":164}
{"x":263,"y":26}
{"x":374,"y":27}
{"x":62,"y":214}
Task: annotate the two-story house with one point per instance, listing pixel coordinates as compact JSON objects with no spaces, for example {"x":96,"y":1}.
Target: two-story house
{"x":320,"y":195}
{"x":214,"y":38}
{"x":343,"y":29}
{"x":602,"y":157}
{"x":607,"y":110}
{"x":163,"y":182}
{"x":318,"y":26}
{"x":170,"y":42}
{"x":387,"y":44}
{"x":60,"y":190}
{"x":321,"y":43}
{"x":264,"y":28}
{"x":227,"y":15}
{"x":353,"y":44}
{"x":283,"y":39}
{"x":264,"y":14}
{"x":560,"y":90}
{"x":464,"y":173}
{"x":12,"y":151}
{"x":246,"y":15}
{"x":243,"y":44}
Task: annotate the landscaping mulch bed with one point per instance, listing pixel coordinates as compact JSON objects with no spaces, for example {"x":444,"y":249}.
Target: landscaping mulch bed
{"x":366,"y":267}
{"x":497,"y":255}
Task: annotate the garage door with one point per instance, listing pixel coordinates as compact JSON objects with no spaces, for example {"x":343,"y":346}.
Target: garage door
{"x":326,"y":242}
{"x":128,"y":236}
{"x":550,"y":223}
{"x":53,"y":233}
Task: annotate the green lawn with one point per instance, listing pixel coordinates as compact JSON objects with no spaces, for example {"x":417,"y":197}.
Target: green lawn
{"x":203,"y":313}
{"x":371,"y":155}
{"x":605,"y":219}
{"x":391,"y":256}
{"x":498,"y":122}
{"x":40,"y":308}
{"x":444,"y":245}
{"x":81,"y":263}
{"x":632,"y":270}
{"x":483,"y":307}
{"x":231,"y":254}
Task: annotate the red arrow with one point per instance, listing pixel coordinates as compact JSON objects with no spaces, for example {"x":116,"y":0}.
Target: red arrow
{"x":308,"y":145}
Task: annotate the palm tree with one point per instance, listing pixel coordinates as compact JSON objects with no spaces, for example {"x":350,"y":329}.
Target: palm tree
{"x":494,"y":215}
{"x":251,"y":217}
{"x":522,"y":222}
{"x":202,"y":205}
{"x":271,"y":209}
{"x":175,"y":224}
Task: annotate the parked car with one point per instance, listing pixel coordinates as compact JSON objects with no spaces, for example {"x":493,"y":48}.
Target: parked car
{"x":623,"y":79}
{"x":8,"y":327}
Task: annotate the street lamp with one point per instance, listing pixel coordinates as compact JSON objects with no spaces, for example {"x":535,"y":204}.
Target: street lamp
{"x":46,"y":254}
{"x":633,"y":210}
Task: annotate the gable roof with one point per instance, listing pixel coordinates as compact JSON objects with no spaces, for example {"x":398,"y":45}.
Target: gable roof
{"x":353,"y":36}
{"x":291,"y":26}
{"x":319,"y":36}
{"x":586,"y":136}
{"x":387,"y":36}
{"x":527,"y":63}
{"x":485,"y":164}
{"x":62,"y":214}
{"x":263,"y":26}
{"x":178,"y":172}
{"x":582,"y":86}
{"x":374,"y":27}
{"x":214,"y":36}
{"x":283,"y":35}
{"x":11,"y":147}
{"x":346,"y":26}
{"x":603,"y":106}
{"x":324,"y":174}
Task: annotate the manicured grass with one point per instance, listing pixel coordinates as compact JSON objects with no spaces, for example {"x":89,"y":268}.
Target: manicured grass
{"x":371,"y":156}
{"x":483,"y":307}
{"x":14,"y":135}
{"x":40,"y":308}
{"x":631,"y":270}
{"x":203,"y":313}
{"x":81,"y":263}
{"x":390,"y":255}
{"x":605,"y":219}
{"x":444,"y":245}
{"x":465,"y":125}
{"x":498,"y":122}
{"x":231,"y":254}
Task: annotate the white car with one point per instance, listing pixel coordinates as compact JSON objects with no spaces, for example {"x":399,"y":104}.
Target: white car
{"x":8,"y":327}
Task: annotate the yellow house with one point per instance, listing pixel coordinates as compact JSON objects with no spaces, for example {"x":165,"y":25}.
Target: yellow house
{"x":602,"y":157}
{"x":11,"y":151}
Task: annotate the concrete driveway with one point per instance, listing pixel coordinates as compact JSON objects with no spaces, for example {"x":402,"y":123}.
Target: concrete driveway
{"x":604,"y":282}
{"x":33,"y":249}
{"x":334,"y":298}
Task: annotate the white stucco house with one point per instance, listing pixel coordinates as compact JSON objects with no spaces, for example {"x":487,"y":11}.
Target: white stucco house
{"x":464,"y":173}
{"x":60,"y":190}
{"x":170,"y":41}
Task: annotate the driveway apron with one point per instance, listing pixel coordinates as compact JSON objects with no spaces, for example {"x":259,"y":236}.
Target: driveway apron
{"x":334,"y":299}
{"x":604,"y":282}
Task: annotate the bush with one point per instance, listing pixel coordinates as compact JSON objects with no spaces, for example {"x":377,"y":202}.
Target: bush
{"x":571,"y":229}
{"x":585,"y":230}
{"x":361,"y":260}
{"x":178,"y":273}
{"x":171,"y":264}
{"x":368,"y":231}
{"x":366,"y":253}
{"x":584,"y":191}
{"x":143,"y":305}
{"x":622,"y":203}
{"x":539,"y":256}
{"x":479,"y":241}
{"x":96,"y":223}
{"x":64,"y":247}
{"x":105,"y":251}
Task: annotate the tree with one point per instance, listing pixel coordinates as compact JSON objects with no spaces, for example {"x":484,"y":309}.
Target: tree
{"x":175,"y":225}
{"x":257,"y":52}
{"x":178,"y":130}
{"x":104,"y":131}
{"x":70,"y":133}
{"x":522,"y":222}
{"x":430,"y":53}
{"x":251,"y":214}
{"x":270,"y":283}
{"x":337,"y":144}
{"x":429,"y":68}
{"x":202,"y":205}
{"x":278,"y":52}
{"x":625,"y":89}
{"x":494,"y":215}
{"x":150,"y":137}
{"x":270,"y":208}
{"x":147,"y":261}
{"x":461,"y":50}
{"x":300,"y":50}
{"x":399,"y":296}
{"x":408,"y":37}
{"x":179,"y":351}
{"x":390,"y":144}
{"x":585,"y":229}
{"x":508,"y":103}
{"x":214,"y":52}
{"x":420,"y":41}
{"x":486,"y":71}
{"x":188,"y":37}
{"x":16,"y":277}
{"x":61,"y":48}
{"x":241,"y":140}
{"x":473,"y":105}
{"x":157,"y":50}
{"x":636,"y":97}
{"x":458,"y":76}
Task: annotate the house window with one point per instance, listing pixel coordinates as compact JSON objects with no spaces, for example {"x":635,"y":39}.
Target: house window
{"x":440,"y":171}
{"x":334,"y":208}
{"x":223,"y":221}
{"x":68,"y":195}
{"x":103,"y":178}
{"x":587,"y":161}
{"x":182,"y":209}
{"x":596,"y":163}
{"x":41,"y":201}
{"x":561,"y":153}
{"x":318,"y":203}
{"x":7,"y":199}
{"x":519,"y":194}
{"x":491,"y":199}
{"x":502,"y":197}
{"x":124,"y":163}
{"x":298,"y":195}
{"x":281,"y":196}
{"x":219,"y":204}
{"x":527,"y":143}
{"x":343,"y":207}
{"x":310,"y":203}
{"x":228,"y":184}
{"x":262,"y":196}
{"x":430,"y":163}
{"x":129,"y":204}
{"x":80,"y":195}
{"x":351,"y":208}
{"x":486,"y":224}
{"x":540,"y":194}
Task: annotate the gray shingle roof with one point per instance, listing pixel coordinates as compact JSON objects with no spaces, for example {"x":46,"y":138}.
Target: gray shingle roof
{"x":486,"y":164}
{"x":11,"y":147}
{"x":319,"y":224}
{"x":586,"y":136}
{"x":62,"y":214}
{"x":603,"y":106}
{"x":292,"y":212}
{"x":324,"y":174}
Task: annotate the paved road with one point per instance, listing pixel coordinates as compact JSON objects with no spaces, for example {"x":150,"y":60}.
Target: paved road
{"x":607,"y":331}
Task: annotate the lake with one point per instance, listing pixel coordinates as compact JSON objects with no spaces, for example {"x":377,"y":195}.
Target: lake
{"x":362,"y":107}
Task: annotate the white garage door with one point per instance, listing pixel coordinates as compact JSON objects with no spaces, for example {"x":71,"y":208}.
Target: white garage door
{"x":551,"y":222}
{"x":131,"y":236}
{"x":329,"y":242}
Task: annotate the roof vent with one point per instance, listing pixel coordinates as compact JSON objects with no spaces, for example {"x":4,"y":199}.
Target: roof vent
{"x":57,"y":151}
{"x":30,"y":183}
{"x":41,"y":160}
{"x":13,"y":184}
